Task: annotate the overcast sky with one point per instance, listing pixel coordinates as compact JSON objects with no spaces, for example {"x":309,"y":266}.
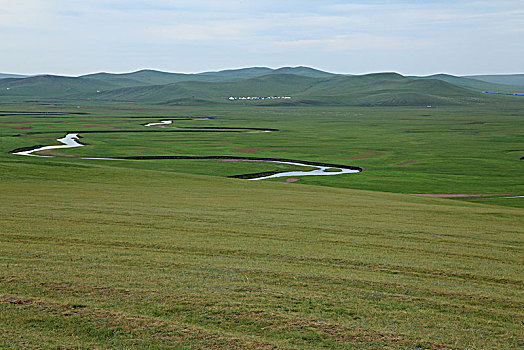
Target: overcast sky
{"x":73,"y":37}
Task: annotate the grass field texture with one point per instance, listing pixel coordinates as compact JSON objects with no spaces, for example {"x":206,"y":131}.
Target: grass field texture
{"x":163,"y":254}
{"x":407,"y":150}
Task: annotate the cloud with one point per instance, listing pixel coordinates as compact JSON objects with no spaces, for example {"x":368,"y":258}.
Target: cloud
{"x":350,"y":42}
{"x":23,"y":13}
{"x":131,"y":33}
{"x":209,"y":31}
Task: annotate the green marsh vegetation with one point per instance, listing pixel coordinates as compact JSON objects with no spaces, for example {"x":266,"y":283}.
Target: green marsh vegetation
{"x":172,"y":253}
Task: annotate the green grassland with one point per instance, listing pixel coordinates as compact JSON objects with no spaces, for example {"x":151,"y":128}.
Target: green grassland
{"x":406,"y":150}
{"x":173,"y":254}
{"x":97,"y":256}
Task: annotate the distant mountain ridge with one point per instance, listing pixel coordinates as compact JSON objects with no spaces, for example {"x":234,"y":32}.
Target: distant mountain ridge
{"x":8,"y":75}
{"x":154,"y":77}
{"x":306,"y":86}
{"x":508,"y":79}
{"x":471,"y":83}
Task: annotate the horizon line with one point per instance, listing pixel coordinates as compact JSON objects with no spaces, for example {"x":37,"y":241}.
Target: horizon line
{"x":29,"y":75}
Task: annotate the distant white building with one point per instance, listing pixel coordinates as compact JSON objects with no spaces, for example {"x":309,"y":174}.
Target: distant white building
{"x":259,"y":98}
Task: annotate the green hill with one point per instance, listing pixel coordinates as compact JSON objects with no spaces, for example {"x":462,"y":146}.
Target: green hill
{"x":305,"y":86}
{"x":141,"y":78}
{"x":236,"y":74}
{"x":7,"y":75}
{"x":268,"y":85}
{"x":154,"y":77}
{"x":303,"y":71}
{"x":117,"y":80}
{"x":390,"y":89}
{"x":508,"y":79}
{"x":472,"y":84}
{"x":329,"y":84}
{"x":51,"y":86}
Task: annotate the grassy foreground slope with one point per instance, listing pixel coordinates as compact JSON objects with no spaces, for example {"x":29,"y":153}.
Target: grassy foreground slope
{"x":98,"y":257}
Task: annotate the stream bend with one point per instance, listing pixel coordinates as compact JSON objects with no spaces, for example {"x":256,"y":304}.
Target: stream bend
{"x":70,"y":140}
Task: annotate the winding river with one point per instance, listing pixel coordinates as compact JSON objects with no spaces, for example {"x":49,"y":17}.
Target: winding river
{"x":162,"y":123}
{"x":70,"y":140}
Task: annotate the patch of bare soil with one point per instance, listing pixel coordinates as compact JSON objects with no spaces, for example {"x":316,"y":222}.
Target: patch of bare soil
{"x":364,"y":154}
{"x":15,"y":123}
{"x":406,"y":162}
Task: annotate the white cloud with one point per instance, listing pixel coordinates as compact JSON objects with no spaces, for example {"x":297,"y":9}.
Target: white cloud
{"x":214,"y":30}
{"x":23,"y":13}
{"x":350,"y":42}
{"x":139,"y":32}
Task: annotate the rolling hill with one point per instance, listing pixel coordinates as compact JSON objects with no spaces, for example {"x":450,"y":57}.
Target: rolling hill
{"x":265,"y":85}
{"x":7,"y":75}
{"x":474,"y":84}
{"x":509,"y":79}
{"x":154,"y":77}
{"x":51,"y":86}
{"x":305,"y":85}
{"x":142,"y":78}
{"x":372,"y":89}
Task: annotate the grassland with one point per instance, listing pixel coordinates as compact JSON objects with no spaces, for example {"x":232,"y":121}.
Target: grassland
{"x":405,"y":150}
{"x":163,"y":254}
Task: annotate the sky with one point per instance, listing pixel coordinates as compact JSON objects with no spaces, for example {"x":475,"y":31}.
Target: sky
{"x":74,"y":37}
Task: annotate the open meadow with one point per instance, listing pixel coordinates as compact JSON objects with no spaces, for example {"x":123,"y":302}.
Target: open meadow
{"x":444,"y":150}
{"x":162,"y":253}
